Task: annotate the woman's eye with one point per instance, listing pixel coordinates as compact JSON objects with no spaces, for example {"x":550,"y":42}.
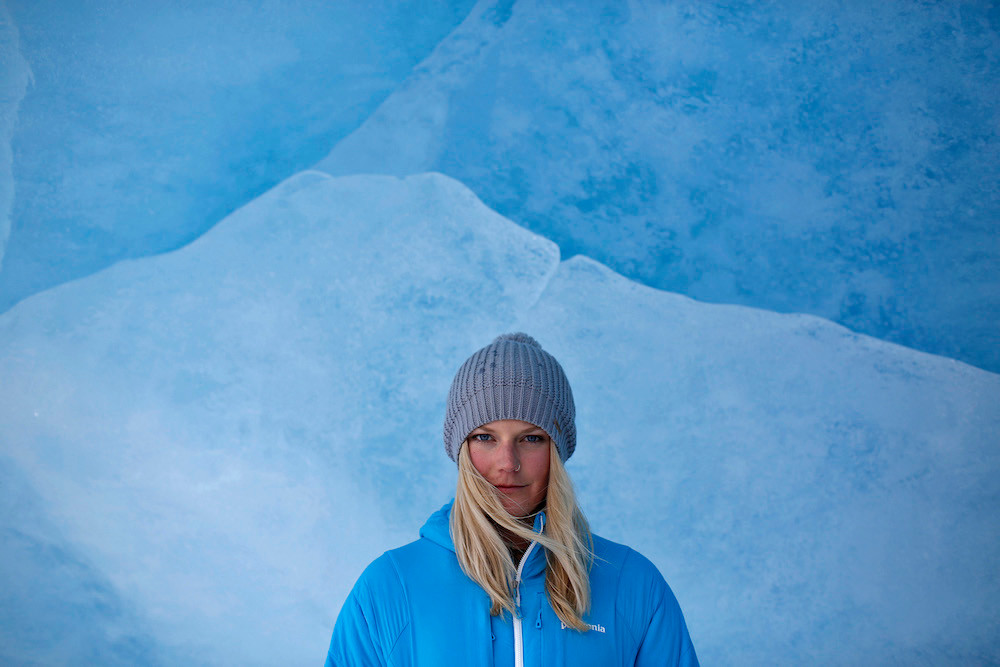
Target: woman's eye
{"x":480,"y":437}
{"x":534,"y":438}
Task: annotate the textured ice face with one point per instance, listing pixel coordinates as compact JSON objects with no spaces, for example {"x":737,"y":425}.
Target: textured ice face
{"x":832,"y":159}
{"x":144,"y":124}
{"x":205,"y":448}
{"x":825,"y":158}
{"x":13,"y":83}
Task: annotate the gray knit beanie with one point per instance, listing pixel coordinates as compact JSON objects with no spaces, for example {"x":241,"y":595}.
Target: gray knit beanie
{"x":511,"y":378}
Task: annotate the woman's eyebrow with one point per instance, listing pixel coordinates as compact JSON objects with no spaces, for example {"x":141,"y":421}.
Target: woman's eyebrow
{"x":533,"y":429}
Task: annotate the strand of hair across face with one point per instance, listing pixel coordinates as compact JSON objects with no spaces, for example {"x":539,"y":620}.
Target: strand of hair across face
{"x":478,"y":518}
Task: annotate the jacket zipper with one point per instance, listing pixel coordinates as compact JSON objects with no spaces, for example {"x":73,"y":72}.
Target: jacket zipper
{"x":518,"y":637}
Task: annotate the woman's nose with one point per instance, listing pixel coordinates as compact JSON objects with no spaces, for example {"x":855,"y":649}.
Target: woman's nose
{"x":509,"y":460}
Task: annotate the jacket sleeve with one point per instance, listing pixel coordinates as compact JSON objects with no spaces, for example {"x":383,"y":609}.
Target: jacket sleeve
{"x":352,"y":644}
{"x":365,"y":632}
{"x":666,"y":641}
{"x":657,"y":619}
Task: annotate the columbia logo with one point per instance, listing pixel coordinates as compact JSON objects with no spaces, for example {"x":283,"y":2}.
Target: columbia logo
{"x":595,"y":628}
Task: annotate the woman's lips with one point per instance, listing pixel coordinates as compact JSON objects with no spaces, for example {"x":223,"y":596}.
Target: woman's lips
{"x":509,"y":488}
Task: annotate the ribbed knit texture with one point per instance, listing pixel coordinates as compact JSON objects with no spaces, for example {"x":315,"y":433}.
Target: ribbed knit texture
{"x":511,"y":378}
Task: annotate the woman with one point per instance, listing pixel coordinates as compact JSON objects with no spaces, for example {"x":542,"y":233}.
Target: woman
{"x":509,"y":572}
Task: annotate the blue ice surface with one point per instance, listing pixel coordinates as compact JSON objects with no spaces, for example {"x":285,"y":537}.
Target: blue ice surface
{"x":146,"y":123}
{"x":839,"y":159}
{"x":217,"y":440}
{"x":14,"y":78}
{"x":55,"y":608}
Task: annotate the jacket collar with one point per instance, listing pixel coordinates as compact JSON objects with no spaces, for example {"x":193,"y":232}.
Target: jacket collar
{"x":437,"y":529}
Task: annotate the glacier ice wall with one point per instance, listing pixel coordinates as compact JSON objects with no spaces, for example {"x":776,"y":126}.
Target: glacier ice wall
{"x":14,"y":76}
{"x":218,"y":439}
{"x":146,"y":123}
{"x":839,"y":159}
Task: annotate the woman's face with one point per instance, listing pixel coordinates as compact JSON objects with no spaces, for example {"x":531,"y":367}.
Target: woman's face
{"x":514,"y":457}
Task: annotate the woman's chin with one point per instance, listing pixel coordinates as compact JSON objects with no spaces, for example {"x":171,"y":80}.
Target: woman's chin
{"x":518,"y":509}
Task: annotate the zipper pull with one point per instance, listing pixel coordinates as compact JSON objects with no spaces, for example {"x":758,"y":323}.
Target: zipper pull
{"x":538,"y":622}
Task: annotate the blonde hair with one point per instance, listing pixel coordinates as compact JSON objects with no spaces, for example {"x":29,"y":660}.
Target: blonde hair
{"x":477,"y":519}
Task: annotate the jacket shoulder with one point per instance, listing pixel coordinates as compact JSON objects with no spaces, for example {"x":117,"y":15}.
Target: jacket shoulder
{"x":628,"y":564}
{"x":378,"y":612}
{"x":372,"y":619}
{"x":389,"y":577}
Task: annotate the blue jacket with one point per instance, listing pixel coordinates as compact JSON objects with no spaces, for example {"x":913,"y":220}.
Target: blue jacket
{"x":414,"y":607}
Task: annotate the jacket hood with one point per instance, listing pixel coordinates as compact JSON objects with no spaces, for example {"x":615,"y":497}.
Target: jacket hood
{"x":437,"y":528}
